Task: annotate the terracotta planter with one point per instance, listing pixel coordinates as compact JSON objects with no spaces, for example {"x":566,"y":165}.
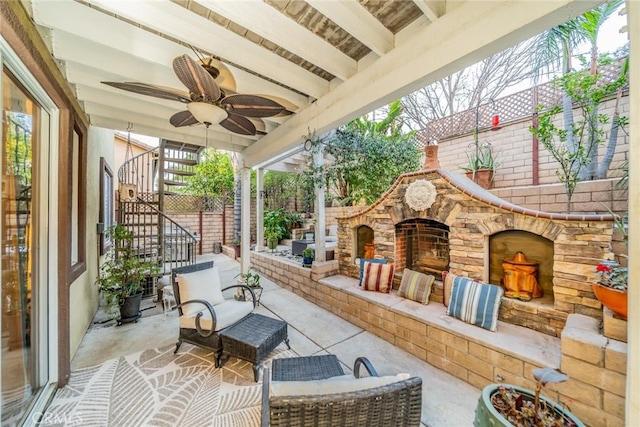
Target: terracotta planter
{"x":483,"y":177}
{"x":613,"y":299}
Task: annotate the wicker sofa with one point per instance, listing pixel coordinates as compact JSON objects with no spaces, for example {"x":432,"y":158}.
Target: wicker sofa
{"x":202,"y":326}
{"x":349,"y":400}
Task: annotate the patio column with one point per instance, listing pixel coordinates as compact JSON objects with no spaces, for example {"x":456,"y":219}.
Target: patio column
{"x":633,"y":323}
{"x":318,"y":163}
{"x":259,"y":210}
{"x":245,"y":215}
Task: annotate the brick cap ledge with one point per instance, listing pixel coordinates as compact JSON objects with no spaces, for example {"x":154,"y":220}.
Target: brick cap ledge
{"x":523,"y":343}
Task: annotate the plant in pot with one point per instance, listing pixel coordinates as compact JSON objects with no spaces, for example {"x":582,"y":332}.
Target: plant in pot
{"x":511,"y":405}
{"x":236,"y":247}
{"x":122,"y":275}
{"x":482,"y":166}
{"x":611,"y":286}
{"x":252,"y":280}
{"x":611,"y":278}
{"x":274,"y":227}
{"x":307,"y":257}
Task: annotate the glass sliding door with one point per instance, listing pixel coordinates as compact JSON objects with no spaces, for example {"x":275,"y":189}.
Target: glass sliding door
{"x":24,"y":357}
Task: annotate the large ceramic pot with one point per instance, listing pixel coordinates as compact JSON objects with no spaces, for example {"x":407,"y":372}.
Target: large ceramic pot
{"x":487,"y":415}
{"x":614,"y":299}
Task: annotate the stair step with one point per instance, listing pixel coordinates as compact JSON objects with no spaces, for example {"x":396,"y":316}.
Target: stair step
{"x":180,"y":172}
{"x":140,"y":224}
{"x":188,"y":162}
{"x":174,"y":183}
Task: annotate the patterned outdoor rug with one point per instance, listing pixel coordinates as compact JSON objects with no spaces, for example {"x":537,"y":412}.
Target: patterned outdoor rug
{"x":158,"y":388}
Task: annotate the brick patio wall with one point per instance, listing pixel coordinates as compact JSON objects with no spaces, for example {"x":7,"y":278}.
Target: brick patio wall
{"x":595,"y":365}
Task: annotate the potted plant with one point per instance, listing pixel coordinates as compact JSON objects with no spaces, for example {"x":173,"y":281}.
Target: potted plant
{"x":611,"y":286}
{"x":122,"y":274}
{"x":236,"y":247}
{"x":611,"y":278}
{"x":272,"y":239}
{"x":252,"y":280}
{"x":482,"y":166}
{"x":511,"y":405}
{"x":307,"y":257}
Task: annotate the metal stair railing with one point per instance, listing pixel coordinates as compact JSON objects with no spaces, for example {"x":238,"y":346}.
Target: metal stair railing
{"x":156,"y":236}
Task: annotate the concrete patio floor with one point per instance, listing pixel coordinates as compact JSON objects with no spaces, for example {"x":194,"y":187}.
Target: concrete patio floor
{"x":446,"y":400}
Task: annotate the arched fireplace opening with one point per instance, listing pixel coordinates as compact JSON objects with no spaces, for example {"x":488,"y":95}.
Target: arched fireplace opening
{"x":422,"y":245}
{"x":536,"y":250}
{"x":364,"y":241}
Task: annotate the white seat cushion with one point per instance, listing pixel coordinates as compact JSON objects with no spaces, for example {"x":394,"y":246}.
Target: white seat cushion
{"x":340,"y":384}
{"x":227,"y":313}
{"x":331,"y":239}
{"x":204,"y":285}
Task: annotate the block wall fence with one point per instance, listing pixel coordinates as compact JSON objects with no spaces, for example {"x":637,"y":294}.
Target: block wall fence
{"x":513,"y":145}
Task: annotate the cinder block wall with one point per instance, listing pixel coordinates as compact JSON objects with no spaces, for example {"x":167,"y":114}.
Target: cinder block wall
{"x":513,"y":144}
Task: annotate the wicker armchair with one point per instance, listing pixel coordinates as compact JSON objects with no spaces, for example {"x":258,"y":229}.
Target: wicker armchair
{"x":397,"y":403}
{"x":203,"y":328}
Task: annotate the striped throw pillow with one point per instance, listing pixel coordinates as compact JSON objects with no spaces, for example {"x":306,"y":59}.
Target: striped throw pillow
{"x":363,"y":260}
{"x":447,"y":282}
{"x":377,"y":277}
{"x":474,"y":302}
{"x":415,"y":286}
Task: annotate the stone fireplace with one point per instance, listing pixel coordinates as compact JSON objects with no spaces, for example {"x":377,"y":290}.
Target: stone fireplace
{"x":470,"y":232}
{"x":422,"y":245}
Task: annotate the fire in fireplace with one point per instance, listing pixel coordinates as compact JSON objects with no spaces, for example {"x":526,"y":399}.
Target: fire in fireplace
{"x":422,"y":245}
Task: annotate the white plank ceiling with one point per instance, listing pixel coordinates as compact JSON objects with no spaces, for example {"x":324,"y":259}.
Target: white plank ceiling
{"x":329,"y":61}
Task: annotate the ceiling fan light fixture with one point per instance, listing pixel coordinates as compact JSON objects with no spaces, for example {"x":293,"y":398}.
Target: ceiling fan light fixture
{"x":207,"y":113}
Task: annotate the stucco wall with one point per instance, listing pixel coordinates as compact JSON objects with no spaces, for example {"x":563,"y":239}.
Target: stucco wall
{"x":83,"y":293}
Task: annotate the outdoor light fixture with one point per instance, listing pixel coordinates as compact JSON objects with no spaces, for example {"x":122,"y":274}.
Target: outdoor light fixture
{"x":495,"y":122}
{"x":206,"y":113}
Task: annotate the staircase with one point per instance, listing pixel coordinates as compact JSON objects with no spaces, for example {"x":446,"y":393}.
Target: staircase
{"x":153,"y":176}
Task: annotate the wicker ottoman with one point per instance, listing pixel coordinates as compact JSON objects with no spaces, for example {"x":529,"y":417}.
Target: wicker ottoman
{"x":253,"y":338}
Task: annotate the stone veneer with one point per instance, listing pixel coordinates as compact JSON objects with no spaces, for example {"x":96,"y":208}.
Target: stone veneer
{"x":473,"y":216}
{"x":596,"y":365}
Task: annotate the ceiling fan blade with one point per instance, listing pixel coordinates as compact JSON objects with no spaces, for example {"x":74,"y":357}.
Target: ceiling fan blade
{"x":289,"y":107}
{"x":224,"y":77}
{"x":238,"y":124}
{"x":183,"y":118}
{"x":196,"y":78}
{"x":261,"y":128}
{"x":251,"y":106}
{"x":152,"y":90}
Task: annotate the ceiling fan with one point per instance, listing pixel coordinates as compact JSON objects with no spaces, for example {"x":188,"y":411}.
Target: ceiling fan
{"x":206,"y":101}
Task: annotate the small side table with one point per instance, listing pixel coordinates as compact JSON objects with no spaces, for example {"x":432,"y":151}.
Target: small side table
{"x":253,"y":338}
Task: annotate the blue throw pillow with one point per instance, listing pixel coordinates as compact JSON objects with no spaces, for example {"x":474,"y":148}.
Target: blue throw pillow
{"x":475,"y":302}
{"x":374,"y":261}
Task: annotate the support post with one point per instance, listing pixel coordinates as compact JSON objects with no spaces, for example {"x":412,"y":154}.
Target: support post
{"x":245,"y":215}
{"x":633,"y":322}
{"x":259,"y":210}
{"x":318,"y":179}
